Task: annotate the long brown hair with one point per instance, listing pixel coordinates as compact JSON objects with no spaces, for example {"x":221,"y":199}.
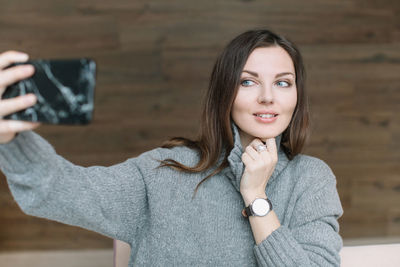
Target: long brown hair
{"x":215,"y":134}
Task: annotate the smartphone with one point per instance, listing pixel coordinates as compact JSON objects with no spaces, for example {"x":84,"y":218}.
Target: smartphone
{"x":64,"y":89}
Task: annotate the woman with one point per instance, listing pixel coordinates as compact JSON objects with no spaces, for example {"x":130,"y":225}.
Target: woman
{"x":257,"y":200}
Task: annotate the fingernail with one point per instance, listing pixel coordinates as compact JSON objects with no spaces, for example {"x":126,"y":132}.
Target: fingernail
{"x":28,"y":68}
{"x":30,"y":99}
{"x":23,"y":56}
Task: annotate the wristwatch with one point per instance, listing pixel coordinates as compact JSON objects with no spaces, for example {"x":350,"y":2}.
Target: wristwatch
{"x":259,"y":207}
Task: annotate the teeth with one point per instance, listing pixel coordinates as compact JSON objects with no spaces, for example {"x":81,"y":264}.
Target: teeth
{"x":266,"y":115}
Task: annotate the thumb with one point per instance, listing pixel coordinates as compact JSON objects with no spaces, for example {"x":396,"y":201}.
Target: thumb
{"x":271,"y":145}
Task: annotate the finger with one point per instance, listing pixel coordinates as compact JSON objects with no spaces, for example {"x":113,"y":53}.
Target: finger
{"x":256,"y":143}
{"x":14,"y":74}
{"x":11,"y":105}
{"x":252,"y":152}
{"x":246,"y":159}
{"x":10,"y":57}
{"x":12,"y":126}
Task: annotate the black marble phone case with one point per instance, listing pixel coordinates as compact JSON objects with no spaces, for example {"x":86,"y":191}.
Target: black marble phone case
{"x":64,"y":89}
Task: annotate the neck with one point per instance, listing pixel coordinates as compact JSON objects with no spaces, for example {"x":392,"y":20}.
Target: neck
{"x":245,"y":139}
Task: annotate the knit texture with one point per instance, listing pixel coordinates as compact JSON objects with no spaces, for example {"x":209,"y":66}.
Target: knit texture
{"x":152,"y":208}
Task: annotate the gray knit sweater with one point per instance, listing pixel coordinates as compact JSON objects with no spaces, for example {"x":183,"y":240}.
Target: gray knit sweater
{"x":152,"y":208}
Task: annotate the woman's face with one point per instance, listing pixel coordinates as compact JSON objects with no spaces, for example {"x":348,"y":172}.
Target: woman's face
{"x":267,"y":95}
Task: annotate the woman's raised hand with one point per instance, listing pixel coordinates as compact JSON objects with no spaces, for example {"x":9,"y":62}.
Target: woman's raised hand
{"x":260,"y":161}
{"x":9,"y":128}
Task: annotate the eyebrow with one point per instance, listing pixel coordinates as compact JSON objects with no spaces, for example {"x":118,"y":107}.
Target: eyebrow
{"x":255,"y":74}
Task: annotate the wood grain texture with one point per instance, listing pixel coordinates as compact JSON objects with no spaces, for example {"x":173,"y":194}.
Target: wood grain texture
{"x":154,"y":60}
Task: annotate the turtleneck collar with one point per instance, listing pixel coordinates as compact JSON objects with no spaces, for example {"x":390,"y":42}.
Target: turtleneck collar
{"x":236,"y":167}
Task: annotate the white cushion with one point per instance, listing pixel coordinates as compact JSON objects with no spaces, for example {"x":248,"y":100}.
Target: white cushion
{"x":387,"y":255}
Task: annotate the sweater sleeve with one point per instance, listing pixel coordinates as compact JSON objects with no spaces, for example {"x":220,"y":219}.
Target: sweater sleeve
{"x":108,"y":200}
{"x":312,"y":236}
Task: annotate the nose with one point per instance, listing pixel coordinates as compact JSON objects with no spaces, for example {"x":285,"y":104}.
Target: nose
{"x":266,"y":95}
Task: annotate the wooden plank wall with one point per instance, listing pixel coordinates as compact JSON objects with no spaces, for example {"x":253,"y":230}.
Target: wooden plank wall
{"x":154,"y":60}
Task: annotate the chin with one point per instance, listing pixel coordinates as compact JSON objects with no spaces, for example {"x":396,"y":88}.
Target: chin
{"x":271,"y":134}
{"x":262,"y":133}
{"x":265,"y":137}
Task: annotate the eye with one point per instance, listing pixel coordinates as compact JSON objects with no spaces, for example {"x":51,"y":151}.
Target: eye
{"x":283,"y":84}
{"x":246,"y":83}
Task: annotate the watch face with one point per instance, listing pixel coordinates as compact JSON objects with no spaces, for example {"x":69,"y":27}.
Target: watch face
{"x":260,"y":207}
